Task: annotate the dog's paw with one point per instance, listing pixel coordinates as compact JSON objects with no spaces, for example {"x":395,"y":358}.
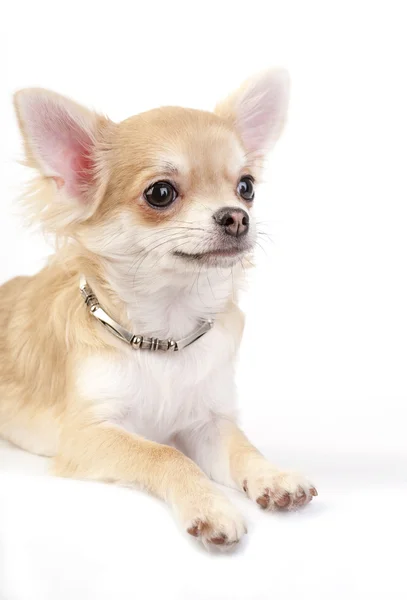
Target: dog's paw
{"x":273,"y":490}
{"x":212,"y":519}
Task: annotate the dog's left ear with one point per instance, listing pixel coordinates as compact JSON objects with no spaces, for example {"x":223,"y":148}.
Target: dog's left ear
{"x":258,"y":110}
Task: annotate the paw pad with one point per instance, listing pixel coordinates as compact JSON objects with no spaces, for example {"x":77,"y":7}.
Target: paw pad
{"x":279,"y":491}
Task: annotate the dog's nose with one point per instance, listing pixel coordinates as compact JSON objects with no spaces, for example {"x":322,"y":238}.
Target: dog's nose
{"x":234,"y":221}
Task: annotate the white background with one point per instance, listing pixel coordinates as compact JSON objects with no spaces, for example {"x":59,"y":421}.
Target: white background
{"x":322,"y":375}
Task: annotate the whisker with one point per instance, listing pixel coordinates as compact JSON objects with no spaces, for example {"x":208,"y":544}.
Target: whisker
{"x":257,"y":243}
{"x":168,"y":251}
{"x":144,"y":253}
{"x":165,"y":230}
{"x":266,"y":235}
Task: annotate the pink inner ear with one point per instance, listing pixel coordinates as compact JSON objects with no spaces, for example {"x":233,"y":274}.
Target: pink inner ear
{"x":254,"y":126}
{"x":261,"y":111}
{"x":61,"y":142}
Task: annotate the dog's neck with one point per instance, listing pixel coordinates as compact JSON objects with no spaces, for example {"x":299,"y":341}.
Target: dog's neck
{"x":164,"y":303}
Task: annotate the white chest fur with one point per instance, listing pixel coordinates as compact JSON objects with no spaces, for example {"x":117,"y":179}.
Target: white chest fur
{"x":158,"y":394}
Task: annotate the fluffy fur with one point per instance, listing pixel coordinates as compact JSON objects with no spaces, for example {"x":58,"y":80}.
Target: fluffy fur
{"x":72,"y":391}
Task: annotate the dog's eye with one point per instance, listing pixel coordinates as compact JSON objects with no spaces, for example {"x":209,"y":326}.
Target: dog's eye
{"x":160,"y":194}
{"x":245,"y":188}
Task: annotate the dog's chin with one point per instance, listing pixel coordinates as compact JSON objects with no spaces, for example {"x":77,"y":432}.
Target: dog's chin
{"x":226,"y":257}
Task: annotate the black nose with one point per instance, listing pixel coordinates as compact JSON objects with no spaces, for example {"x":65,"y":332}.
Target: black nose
{"x":235,"y":221}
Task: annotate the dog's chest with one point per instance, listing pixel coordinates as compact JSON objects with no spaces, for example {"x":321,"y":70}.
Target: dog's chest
{"x":157,"y":394}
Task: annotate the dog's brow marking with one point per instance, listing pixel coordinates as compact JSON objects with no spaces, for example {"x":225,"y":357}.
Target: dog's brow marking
{"x":169,"y":168}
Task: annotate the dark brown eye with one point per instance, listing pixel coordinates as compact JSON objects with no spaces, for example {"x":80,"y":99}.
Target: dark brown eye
{"x":160,"y":194}
{"x":245,"y":188}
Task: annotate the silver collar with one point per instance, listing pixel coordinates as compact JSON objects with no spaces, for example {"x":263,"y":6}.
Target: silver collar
{"x":138,"y":341}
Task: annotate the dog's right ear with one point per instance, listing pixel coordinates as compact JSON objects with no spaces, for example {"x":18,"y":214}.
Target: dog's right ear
{"x":61,"y":139}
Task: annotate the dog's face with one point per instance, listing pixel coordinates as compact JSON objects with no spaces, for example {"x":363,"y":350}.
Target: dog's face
{"x":171,"y":187}
{"x":181,"y":190}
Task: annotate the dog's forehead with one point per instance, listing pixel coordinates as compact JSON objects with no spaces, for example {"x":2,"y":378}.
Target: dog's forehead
{"x":183,"y":140}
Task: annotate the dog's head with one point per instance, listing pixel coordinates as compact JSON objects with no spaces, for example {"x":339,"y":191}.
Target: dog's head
{"x":172,"y":186}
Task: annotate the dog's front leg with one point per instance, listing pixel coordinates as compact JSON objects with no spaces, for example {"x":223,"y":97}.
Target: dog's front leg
{"x":225,"y":454}
{"x":109,"y":453}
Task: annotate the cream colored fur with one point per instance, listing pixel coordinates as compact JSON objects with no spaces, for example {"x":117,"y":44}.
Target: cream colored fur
{"x":68,"y":389}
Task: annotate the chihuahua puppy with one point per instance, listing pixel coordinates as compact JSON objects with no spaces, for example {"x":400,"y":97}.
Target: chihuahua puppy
{"x":117,"y":359}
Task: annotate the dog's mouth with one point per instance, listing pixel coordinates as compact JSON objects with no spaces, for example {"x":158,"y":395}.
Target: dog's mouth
{"x":211,"y":255}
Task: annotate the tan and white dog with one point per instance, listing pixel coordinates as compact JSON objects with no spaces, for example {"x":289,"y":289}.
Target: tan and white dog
{"x":156,"y":213}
